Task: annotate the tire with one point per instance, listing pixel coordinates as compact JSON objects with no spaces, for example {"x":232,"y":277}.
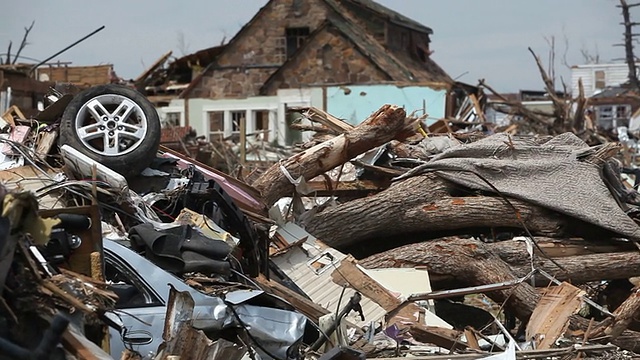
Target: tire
{"x":114,"y":125}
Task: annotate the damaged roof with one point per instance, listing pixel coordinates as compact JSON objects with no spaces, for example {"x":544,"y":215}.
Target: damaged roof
{"x":202,"y":58}
{"x":389,"y":14}
{"x":612,"y":92}
{"x":399,"y":68}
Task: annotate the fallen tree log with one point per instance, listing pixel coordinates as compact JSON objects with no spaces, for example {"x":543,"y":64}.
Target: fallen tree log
{"x":426,"y":204}
{"x":470,"y":262}
{"x":388,"y":123}
{"x":477,"y":263}
{"x":624,"y":315}
{"x":582,"y":261}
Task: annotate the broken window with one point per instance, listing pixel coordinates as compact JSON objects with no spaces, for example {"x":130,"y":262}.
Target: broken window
{"x":600,"y":79}
{"x":622,"y":112}
{"x":295,"y":39}
{"x":612,"y":116}
{"x":130,"y":290}
{"x":280,"y":50}
{"x":172,"y":119}
{"x":236,"y":117}
{"x":292,"y":136}
{"x":605,"y":116}
{"x":404,"y":40}
{"x":262,"y":125}
{"x":321,"y":263}
{"x":327,"y":56}
{"x":216,"y":124}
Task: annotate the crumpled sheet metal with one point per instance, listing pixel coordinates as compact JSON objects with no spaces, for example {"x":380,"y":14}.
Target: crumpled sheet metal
{"x":548,"y":174}
{"x":276,"y":330}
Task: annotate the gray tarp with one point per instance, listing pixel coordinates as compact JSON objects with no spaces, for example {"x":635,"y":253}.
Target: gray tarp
{"x":551,"y":175}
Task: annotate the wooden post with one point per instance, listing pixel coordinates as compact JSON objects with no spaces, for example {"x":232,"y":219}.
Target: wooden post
{"x":243,"y":140}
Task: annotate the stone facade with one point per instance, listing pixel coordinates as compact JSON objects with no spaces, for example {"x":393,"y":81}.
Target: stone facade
{"x":347,"y":44}
{"x":328,"y":59}
{"x":251,"y":58}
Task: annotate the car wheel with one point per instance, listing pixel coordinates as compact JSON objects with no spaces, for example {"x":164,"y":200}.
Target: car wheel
{"x":114,"y":125}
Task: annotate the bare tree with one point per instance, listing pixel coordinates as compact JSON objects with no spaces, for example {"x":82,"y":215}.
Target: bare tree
{"x":588,"y":57}
{"x":9,"y":53}
{"x":551,"y":41}
{"x":628,"y":42}
{"x":182,"y":45}
{"x":24,"y":42}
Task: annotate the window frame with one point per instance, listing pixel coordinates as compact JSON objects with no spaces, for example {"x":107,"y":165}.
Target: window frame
{"x":151,"y":298}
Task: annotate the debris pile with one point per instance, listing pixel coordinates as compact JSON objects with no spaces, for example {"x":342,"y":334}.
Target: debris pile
{"x":380,"y":240}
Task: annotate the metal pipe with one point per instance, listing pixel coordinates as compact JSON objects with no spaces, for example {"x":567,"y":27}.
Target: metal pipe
{"x":65,"y":49}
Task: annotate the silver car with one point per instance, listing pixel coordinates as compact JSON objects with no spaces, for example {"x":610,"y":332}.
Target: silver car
{"x":143,"y":290}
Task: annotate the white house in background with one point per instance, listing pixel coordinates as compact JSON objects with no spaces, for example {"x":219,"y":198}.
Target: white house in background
{"x":266,"y":116}
{"x":596,"y":77}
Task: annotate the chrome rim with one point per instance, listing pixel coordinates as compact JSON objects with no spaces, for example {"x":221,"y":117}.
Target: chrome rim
{"x":111,"y":125}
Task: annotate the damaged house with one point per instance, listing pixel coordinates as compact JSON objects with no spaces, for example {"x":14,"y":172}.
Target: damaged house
{"x":343,"y":56}
{"x":612,"y":102}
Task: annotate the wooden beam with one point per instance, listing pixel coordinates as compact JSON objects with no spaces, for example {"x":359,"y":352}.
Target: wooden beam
{"x":448,"y":339}
{"x":349,"y":274}
{"x":153,"y":67}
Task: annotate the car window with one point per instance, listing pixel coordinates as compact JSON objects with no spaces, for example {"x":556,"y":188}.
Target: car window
{"x":130,"y":289}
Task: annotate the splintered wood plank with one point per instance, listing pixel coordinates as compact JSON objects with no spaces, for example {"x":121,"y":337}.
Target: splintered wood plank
{"x":477,"y":107}
{"x":550,"y":318}
{"x":349,"y":274}
{"x":472,"y":340}
{"x":624,"y":314}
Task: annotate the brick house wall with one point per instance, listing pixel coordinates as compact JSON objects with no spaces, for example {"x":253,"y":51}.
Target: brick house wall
{"x":247,"y":63}
{"x":329,"y":59}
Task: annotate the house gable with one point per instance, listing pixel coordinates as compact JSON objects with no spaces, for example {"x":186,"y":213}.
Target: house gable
{"x":254,"y":59}
{"x":256,"y":51}
{"x":329,"y":57}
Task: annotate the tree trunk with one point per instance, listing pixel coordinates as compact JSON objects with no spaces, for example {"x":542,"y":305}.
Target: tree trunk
{"x":624,"y":315}
{"x":382,"y":126}
{"x":422,"y":205}
{"x":628,"y":44}
{"x":470,"y":262}
{"x":559,"y":105}
{"x":583,"y":261}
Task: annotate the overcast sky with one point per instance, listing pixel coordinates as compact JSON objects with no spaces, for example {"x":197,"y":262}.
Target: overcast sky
{"x":471,"y":40}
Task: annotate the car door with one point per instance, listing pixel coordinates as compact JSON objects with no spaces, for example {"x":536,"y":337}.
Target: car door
{"x":140,"y":308}
{"x":144,"y":288}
